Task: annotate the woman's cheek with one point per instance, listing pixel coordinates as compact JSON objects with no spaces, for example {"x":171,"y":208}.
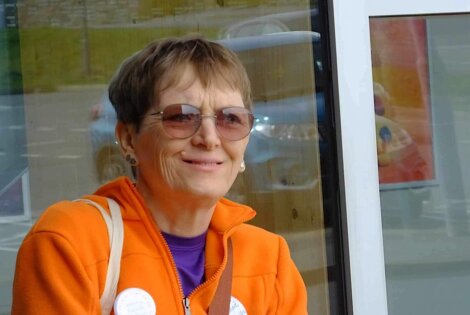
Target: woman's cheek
{"x":168,"y":169}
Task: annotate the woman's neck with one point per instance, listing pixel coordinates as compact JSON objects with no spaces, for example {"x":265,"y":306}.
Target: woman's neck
{"x":177,"y":213}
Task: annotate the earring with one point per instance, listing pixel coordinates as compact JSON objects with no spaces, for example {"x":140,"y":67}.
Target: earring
{"x":242,"y":167}
{"x":132,"y":161}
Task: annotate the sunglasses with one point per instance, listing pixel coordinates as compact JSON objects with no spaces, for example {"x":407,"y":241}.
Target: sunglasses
{"x":181,"y":121}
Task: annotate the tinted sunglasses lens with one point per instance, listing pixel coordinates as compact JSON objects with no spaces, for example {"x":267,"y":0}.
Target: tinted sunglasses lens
{"x":234,"y":123}
{"x":180,"y":121}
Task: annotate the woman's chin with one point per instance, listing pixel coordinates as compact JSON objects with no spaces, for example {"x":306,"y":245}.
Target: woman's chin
{"x":206,"y":192}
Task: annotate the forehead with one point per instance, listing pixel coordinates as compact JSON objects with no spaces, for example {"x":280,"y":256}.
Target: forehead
{"x":183,"y":76}
{"x":185,"y":81}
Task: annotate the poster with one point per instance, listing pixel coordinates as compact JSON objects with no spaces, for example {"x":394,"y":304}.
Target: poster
{"x":402,"y":103}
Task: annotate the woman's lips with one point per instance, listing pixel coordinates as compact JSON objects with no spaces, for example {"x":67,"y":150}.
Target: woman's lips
{"x":203,"y":165}
{"x":202,"y":161}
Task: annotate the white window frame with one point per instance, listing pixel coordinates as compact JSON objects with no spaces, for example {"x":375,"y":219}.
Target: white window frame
{"x":354,"y":98}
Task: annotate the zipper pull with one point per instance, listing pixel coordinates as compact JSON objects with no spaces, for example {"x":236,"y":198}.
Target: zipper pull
{"x":187,"y":309}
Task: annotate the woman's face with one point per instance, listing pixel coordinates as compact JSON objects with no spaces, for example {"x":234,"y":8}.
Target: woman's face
{"x":204,"y":164}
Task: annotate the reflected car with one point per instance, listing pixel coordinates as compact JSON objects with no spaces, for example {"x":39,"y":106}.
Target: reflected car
{"x":299,"y":20}
{"x":283,"y":152}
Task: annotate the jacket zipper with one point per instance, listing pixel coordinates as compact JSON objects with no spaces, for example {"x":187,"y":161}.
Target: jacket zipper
{"x":187,"y":309}
{"x":186,"y":299}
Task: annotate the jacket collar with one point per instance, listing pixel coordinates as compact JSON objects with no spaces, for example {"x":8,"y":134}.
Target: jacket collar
{"x":227,"y":214}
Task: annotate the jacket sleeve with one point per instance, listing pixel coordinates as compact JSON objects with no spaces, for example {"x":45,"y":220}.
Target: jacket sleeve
{"x":290,"y":288}
{"x":50,"y":278}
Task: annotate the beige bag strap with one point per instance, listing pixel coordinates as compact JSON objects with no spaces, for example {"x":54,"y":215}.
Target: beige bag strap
{"x":116,"y":238}
{"x":220,"y":304}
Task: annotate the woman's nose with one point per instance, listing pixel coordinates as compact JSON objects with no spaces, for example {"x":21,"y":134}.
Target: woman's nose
{"x":207,"y":134}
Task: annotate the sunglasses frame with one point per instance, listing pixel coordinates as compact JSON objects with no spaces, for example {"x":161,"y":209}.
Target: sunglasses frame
{"x":197,"y":125}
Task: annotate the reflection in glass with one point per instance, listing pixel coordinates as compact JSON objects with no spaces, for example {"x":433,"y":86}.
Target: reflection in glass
{"x":68,"y":53}
{"x":421,"y":77}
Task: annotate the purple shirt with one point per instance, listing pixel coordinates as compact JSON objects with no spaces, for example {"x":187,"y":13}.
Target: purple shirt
{"x":188,"y":254}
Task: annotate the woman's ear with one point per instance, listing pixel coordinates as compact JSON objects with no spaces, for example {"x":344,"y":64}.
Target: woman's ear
{"x":125,"y":135}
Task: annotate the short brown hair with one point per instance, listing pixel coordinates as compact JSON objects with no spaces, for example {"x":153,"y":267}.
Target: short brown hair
{"x":141,"y":77}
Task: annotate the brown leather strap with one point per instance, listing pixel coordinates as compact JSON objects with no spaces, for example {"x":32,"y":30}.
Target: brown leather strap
{"x":220,"y":304}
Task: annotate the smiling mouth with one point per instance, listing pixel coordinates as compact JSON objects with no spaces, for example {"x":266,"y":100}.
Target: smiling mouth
{"x":208,"y":163}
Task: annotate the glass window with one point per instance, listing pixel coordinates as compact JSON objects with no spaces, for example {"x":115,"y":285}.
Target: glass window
{"x":57,"y":140}
{"x":421,"y":75}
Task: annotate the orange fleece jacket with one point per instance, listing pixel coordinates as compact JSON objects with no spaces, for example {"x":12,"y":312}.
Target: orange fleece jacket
{"x":62,"y":262}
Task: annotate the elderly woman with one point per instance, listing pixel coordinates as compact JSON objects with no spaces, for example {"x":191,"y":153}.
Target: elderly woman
{"x":184,"y":119}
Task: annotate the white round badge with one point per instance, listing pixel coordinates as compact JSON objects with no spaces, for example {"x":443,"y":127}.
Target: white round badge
{"x":134,"y":301}
{"x":236,"y":307}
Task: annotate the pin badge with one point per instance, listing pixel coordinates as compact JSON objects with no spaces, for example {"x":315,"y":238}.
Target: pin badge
{"x":134,"y":301}
{"x":236,"y":307}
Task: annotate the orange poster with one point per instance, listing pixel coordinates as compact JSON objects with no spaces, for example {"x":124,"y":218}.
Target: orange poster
{"x":401,"y":101}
